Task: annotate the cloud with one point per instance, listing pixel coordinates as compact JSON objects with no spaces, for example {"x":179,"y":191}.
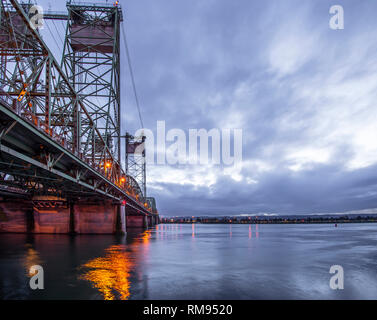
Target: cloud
{"x":304,"y":95}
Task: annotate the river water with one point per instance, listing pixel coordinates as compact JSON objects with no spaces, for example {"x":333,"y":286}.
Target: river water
{"x":195,"y":262}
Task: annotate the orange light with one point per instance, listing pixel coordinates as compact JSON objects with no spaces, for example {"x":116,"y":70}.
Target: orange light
{"x":108,"y":164}
{"x":145,"y":204}
{"x":123,"y":179}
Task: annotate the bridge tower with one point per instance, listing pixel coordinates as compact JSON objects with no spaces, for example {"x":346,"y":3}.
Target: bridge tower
{"x":91,"y":61}
{"x":135,"y":160}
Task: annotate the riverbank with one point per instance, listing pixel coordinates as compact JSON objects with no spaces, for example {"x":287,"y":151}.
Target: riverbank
{"x":272,"y":220}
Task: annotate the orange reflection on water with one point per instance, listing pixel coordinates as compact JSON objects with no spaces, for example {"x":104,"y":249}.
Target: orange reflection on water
{"x":146,"y":236}
{"x":31,"y":258}
{"x":110,"y":274}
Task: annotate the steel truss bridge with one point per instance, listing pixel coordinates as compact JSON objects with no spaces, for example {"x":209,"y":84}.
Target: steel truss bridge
{"x":60,"y":133}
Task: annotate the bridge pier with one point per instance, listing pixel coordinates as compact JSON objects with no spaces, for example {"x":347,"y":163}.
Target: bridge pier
{"x":16,"y":216}
{"x":121,"y":220}
{"x":99,"y":218}
{"x":137,"y":221}
{"x":151,"y":221}
{"x":51,"y":220}
{"x":81,"y":217}
{"x":140,"y":221}
{"x":84,"y":217}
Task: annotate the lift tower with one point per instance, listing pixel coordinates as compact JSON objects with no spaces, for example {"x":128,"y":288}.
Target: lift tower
{"x":91,"y":61}
{"x":135,"y":160}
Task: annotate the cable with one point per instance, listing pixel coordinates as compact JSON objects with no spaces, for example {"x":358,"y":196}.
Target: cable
{"x":53,"y":36}
{"x":58,"y":33}
{"x":132,"y":75}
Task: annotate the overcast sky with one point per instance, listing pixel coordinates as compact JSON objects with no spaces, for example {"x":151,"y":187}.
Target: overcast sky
{"x":304,"y":95}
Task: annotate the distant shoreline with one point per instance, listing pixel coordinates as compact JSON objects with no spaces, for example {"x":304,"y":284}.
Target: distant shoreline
{"x":310,"y":220}
{"x":261,"y":222}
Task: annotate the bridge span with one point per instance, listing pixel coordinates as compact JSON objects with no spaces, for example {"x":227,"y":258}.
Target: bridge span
{"x":60,"y":128}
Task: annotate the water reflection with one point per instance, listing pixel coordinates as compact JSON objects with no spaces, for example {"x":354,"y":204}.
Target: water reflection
{"x":146,"y":236}
{"x":31,"y":258}
{"x":212,"y":265}
{"x":110,"y":274}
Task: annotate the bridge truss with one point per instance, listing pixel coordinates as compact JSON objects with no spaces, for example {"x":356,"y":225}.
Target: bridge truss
{"x":60,"y":123}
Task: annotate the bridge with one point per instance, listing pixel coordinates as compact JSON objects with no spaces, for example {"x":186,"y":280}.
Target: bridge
{"x":60,"y":128}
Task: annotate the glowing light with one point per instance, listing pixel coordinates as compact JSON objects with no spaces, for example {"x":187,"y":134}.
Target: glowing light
{"x":123,"y":179}
{"x":108,"y":164}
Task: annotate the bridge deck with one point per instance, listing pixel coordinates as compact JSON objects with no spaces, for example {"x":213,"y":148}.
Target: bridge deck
{"x":28,"y":152}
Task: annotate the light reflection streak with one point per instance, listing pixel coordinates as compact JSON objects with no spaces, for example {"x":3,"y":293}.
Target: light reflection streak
{"x":146,"y":236}
{"x":110,"y":274}
{"x":31,"y":258}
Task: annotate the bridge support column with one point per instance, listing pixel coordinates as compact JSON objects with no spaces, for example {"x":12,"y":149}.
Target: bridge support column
{"x":146,"y":222}
{"x":137,"y":221}
{"x":96,"y":218}
{"x":150,"y":223}
{"x":51,"y":220}
{"x":121,"y":219}
{"x":16,"y":216}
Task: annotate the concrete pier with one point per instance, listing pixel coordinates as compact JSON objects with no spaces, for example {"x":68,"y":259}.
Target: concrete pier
{"x":16,"y":216}
{"x":61,"y":217}
{"x":137,"y":221}
{"x":95,"y":218}
{"x":53,"y":220}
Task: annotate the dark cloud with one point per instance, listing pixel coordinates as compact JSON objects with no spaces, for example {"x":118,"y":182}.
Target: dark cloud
{"x":303,"y":94}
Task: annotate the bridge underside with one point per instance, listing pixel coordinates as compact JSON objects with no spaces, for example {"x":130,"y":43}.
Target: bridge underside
{"x":46,"y":189}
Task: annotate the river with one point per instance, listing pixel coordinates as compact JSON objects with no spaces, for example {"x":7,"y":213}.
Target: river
{"x":174,"y":261}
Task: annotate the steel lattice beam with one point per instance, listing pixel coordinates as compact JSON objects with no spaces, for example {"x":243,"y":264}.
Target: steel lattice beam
{"x":69,"y":136}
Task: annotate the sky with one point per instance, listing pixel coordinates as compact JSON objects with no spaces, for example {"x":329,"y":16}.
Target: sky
{"x":303,"y":94}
